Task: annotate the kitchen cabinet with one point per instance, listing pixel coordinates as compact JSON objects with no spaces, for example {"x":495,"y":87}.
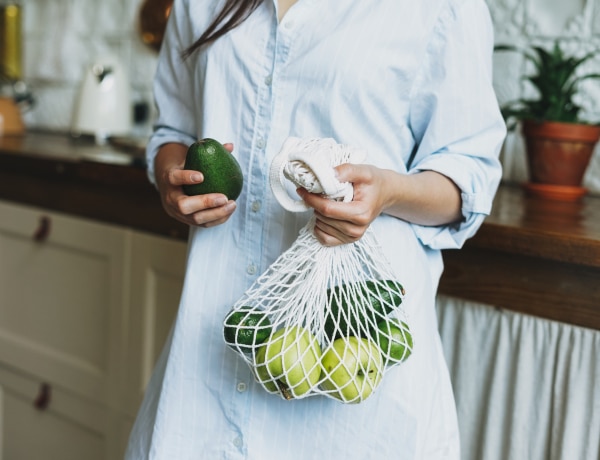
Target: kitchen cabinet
{"x":85,"y":308}
{"x":157,"y":273}
{"x":67,"y":428}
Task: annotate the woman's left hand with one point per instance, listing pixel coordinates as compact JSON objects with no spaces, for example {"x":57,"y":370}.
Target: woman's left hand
{"x":424,"y":198}
{"x":341,"y":223}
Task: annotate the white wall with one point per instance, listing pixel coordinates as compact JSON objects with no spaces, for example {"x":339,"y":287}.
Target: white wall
{"x":61,"y":37}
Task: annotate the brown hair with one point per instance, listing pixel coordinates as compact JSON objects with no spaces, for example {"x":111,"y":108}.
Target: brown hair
{"x":234,"y":12}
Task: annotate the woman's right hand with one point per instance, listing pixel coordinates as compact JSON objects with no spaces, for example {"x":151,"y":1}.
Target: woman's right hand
{"x":200,"y":210}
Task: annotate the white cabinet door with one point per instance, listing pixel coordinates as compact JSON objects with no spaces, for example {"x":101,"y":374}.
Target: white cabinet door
{"x":61,"y":298}
{"x":85,"y":308}
{"x":157,"y":273}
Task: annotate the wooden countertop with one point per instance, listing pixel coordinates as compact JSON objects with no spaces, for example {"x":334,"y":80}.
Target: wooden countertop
{"x":534,"y":256}
{"x":556,"y":230}
{"x":531,"y":255}
{"x":60,"y":173}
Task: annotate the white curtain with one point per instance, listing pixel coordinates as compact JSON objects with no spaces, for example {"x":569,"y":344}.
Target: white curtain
{"x":526,"y":388}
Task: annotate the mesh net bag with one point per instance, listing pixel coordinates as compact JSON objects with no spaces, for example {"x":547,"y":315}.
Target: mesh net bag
{"x":320,"y":320}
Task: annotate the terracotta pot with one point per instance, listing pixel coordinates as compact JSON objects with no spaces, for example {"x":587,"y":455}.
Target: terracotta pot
{"x":559,"y":153}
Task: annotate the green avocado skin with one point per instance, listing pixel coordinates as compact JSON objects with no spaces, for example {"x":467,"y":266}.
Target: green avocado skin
{"x":222,"y":172}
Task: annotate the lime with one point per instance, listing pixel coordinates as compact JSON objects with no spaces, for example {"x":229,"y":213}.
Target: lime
{"x":347,"y":316}
{"x":395,"y":340}
{"x":246,"y":327}
{"x":385,"y":295}
{"x":350,"y":312}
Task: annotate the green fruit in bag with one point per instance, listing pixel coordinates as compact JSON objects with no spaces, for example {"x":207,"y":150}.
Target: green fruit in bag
{"x":289,"y":362}
{"x":347,"y":316}
{"x":394,"y":339}
{"x":246,"y":328}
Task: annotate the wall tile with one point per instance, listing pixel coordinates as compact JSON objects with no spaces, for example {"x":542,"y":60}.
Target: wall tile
{"x":53,"y":107}
{"x":508,"y":17}
{"x":555,"y":17}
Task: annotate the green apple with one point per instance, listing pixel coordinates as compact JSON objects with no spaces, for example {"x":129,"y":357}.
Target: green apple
{"x":262,"y":373}
{"x":352,"y":369}
{"x":289,"y":362}
{"x":395,"y":340}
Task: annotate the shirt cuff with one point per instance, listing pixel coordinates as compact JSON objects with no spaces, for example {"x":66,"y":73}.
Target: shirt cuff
{"x":477,"y":193}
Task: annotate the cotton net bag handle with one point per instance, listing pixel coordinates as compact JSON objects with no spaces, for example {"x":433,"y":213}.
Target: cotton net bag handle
{"x":309,"y":163}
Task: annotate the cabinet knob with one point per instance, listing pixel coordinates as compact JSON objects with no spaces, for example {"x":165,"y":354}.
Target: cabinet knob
{"x":43,"y":230}
{"x":42,"y":400}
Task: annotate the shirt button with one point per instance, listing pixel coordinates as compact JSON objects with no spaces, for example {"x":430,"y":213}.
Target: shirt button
{"x":241,"y":387}
{"x":256,"y":206}
{"x":251,"y":269}
{"x":237,"y":442}
{"x":260,"y":143}
{"x":289,"y":24}
{"x":268,"y":80}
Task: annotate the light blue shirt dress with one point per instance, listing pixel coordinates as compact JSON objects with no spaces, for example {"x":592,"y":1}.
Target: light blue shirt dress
{"x":408,"y":81}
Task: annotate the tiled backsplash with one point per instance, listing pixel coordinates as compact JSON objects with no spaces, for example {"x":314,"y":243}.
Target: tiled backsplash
{"x":62,"y":37}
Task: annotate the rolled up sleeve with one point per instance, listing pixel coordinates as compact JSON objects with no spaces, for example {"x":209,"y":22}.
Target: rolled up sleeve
{"x":176,"y":121}
{"x":456,"y":120}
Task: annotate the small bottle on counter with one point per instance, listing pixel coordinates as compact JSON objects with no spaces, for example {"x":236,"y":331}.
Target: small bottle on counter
{"x":11,"y":40}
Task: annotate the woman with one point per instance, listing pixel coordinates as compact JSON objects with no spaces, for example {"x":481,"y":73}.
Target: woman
{"x":410,"y":82}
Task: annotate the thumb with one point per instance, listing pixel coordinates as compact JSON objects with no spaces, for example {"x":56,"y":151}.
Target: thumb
{"x":346,"y":172}
{"x":184,"y":176}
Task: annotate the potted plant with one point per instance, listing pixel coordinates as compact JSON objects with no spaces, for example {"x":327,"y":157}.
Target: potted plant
{"x":559,"y":143}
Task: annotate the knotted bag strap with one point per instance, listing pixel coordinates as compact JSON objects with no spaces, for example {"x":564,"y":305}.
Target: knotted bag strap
{"x":309,"y":163}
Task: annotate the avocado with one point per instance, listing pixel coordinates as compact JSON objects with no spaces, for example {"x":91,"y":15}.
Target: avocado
{"x":222,"y":172}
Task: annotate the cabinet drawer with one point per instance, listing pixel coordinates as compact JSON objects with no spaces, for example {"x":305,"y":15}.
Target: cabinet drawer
{"x":65,"y":428}
{"x":61,"y":293}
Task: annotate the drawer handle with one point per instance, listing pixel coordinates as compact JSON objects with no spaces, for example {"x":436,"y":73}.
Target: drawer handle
{"x":43,"y":230}
{"x":42,"y":401}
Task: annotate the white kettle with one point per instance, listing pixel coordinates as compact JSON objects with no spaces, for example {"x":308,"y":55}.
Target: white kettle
{"x":103,"y":107}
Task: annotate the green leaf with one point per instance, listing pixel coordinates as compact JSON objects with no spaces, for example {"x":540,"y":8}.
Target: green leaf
{"x":555,"y":80}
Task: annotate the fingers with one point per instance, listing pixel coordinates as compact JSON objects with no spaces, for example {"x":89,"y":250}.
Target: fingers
{"x":201,"y":210}
{"x":209,"y":217}
{"x":329,"y":235}
{"x":212,"y":217}
{"x":338,"y":222}
{"x":355,"y":212}
{"x":179,"y":177}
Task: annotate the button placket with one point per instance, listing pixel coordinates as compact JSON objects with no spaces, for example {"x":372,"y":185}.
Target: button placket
{"x":257,"y":177}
